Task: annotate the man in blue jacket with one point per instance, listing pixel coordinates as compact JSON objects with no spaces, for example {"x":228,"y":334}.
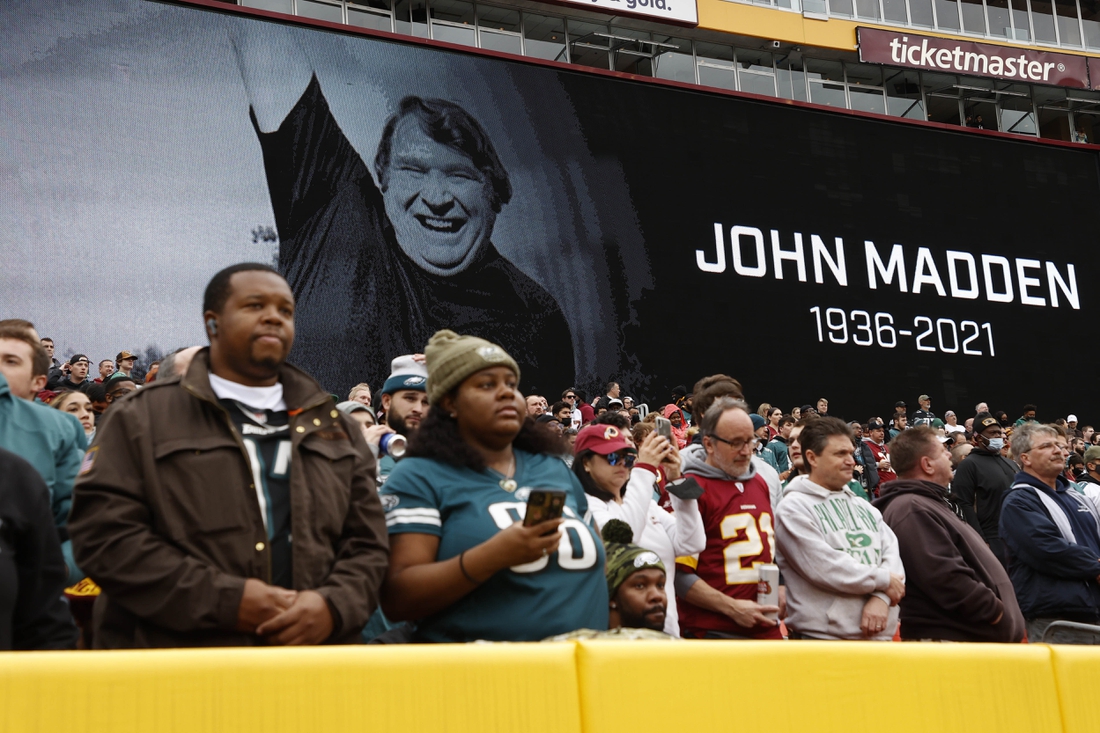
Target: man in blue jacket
{"x":50,"y":440}
{"x":1052,"y":534}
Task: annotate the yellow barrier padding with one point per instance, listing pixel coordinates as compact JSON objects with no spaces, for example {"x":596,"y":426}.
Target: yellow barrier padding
{"x":1077,"y":674}
{"x":823,"y":687}
{"x":505,"y":688}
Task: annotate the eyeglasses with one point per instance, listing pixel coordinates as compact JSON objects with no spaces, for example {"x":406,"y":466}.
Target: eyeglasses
{"x":627,"y":459}
{"x":738,"y":444}
{"x":1047,"y":446}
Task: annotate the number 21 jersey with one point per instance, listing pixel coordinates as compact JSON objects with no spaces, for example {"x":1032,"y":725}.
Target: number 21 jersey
{"x":737,"y":516}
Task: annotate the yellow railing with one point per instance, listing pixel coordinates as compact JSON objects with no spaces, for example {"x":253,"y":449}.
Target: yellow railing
{"x":586,"y":687}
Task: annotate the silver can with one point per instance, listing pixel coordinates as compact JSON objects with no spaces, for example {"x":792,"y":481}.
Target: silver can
{"x":767,"y":589}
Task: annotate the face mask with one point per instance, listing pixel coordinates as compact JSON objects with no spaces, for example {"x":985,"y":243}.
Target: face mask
{"x":567,"y":422}
{"x":996,"y":444}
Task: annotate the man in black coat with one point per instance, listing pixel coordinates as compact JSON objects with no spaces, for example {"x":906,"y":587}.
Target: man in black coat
{"x":955,"y":588}
{"x":33,"y":611}
{"x":981,"y":481}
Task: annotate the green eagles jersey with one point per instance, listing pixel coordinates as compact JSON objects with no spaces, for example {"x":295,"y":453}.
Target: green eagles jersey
{"x":552,"y":595}
{"x":266,"y":438}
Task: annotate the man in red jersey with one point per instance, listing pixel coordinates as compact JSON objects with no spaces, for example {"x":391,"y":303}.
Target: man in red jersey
{"x":719,"y":585}
{"x":875,"y":441}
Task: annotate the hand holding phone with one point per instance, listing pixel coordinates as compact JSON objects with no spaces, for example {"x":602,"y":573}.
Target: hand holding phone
{"x":544,"y":505}
{"x":664,"y":426}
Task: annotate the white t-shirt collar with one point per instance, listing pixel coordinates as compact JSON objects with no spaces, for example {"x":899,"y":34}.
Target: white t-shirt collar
{"x":258,"y":398}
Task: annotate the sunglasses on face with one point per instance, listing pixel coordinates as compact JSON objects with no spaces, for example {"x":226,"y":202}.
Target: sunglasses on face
{"x":624,"y":457}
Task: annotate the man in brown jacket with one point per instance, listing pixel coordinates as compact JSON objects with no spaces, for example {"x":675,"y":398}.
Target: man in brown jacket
{"x":955,"y":587}
{"x":234,"y":505}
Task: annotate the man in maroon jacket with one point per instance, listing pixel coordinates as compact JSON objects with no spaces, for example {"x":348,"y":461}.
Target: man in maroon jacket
{"x":956,"y":589}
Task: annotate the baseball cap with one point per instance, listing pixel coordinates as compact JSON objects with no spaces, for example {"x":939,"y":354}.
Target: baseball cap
{"x":984,"y":420}
{"x":900,"y":403}
{"x":875,"y":425}
{"x":349,"y":407}
{"x":1093,"y":453}
{"x":614,"y":401}
{"x":77,"y":357}
{"x":125,"y":355}
{"x":602,"y":439}
{"x":923,"y":397}
{"x":405,"y":373}
{"x":757,"y":421}
{"x":1071,"y":418}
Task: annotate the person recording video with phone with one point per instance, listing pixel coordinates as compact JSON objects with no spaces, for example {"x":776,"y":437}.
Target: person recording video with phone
{"x":619,"y":480}
{"x":463,"y":566}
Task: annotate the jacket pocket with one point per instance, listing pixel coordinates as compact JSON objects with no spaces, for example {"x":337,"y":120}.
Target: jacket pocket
{"x":328,"y":467}
{"x":202,"y":485}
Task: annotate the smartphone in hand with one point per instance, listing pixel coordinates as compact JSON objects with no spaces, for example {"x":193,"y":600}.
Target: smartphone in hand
{"x":544,"y":505}
{"x":664,"y":427}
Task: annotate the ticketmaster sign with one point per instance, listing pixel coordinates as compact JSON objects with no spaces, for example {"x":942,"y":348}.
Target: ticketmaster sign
{"x":898,"y":48}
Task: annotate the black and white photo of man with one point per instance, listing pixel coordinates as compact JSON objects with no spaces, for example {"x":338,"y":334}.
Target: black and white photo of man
{"x":377,"y":268}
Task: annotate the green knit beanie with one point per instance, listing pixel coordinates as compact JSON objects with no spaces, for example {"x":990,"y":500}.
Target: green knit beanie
{"x":451,"y":358}
{"x":624,"y":559}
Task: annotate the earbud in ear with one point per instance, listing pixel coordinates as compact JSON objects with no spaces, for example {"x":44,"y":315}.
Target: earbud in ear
{"x":614,"y":605}
{"x":212,"y":325}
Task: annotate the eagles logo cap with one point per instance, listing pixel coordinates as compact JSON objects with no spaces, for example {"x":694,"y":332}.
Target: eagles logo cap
{"x":406,"y":373}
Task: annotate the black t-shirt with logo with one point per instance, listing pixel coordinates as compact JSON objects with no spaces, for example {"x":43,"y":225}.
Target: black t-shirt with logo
{"x":266,"y":438}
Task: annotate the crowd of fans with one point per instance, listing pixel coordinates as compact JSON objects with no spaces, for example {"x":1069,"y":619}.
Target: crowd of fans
{"x":225,"y":499}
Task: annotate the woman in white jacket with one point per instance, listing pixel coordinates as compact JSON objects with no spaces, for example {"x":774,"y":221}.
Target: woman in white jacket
{"x":619,"y":480}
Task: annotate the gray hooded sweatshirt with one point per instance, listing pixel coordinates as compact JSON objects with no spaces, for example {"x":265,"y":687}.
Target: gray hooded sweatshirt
{"x":835,"y":552}
{"x":695,"y":461}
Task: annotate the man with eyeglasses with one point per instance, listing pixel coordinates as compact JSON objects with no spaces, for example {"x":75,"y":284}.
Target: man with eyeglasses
{"x":718,"y":586}
{"x":1052,"y":534}
{"x":117,"y":387}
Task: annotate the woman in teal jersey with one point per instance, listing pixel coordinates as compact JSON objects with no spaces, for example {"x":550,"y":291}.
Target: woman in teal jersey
{"x":462,"y":565}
